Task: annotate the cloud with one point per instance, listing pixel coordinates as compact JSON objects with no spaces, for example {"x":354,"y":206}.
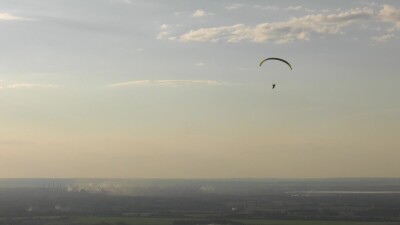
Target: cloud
{"x":296,"y":29}
{"x":211,"y":34}
{"x":370,"y":4}
{"x":234,"y":6}
{"x":27,"y":86}
{"x":299,"y":8}
{"x":383,"y":38}
{"x":200,"y":13}
{"x":178,"y":13}
{"x":200,"y":64}
{"x":300,"y":28}
{"x":166,"y":30}
{"x":390,"y":14}
{"x":268,"y":7}
{"x":165,"y":26}
{"x":7,"y":16}
{"x":164,"y":83}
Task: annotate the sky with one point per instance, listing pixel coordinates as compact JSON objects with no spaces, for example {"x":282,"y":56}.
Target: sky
{"x":150,"y":89}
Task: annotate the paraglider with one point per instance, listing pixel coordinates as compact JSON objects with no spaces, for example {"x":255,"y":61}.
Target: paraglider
{"x":279,"y":59}
{"x":282,"y":60}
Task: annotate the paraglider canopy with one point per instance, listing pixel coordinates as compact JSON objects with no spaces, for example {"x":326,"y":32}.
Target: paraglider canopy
{"x":279,"y":59}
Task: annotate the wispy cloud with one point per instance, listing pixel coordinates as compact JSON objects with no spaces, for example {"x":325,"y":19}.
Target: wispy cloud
{"x":383,"y":38}
{"x":234,"y":6}
{"x":166,"y":31}
{"x":172,"y":83}
{"x":301,"y":28}
{"x":299,"y":8}
{"x":267,"y":7}
{"x":370,"y":4}
{"x":27,"y":86}
{"x":200,"y":64}
{"x":8,"y":16}
{"x":270,"y":7}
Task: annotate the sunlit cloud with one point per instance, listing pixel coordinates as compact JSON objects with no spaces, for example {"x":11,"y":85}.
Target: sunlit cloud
{"x":200,"y":13}
{"x":8,"y":16}
{"x":296,"y":29}
{"x":390,"y":14}
{"x":172,"y":83}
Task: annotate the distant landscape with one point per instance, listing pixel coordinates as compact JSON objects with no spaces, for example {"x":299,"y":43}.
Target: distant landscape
{"x":211,"y":112}
{"x":173,"y":201}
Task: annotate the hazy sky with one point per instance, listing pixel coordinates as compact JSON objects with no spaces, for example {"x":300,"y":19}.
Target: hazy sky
{"x":129,"y":88}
